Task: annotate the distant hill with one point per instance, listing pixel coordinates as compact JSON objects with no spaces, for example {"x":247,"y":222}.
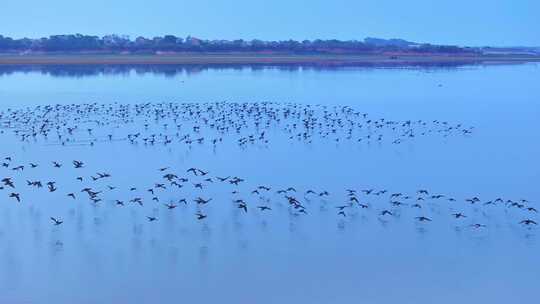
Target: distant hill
{"x":389,"y":42}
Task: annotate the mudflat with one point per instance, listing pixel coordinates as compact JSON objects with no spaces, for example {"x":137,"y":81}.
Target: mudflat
{"x":262,"y":59}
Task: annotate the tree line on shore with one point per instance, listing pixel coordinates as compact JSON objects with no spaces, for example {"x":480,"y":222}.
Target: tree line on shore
{"x":171,"y":43}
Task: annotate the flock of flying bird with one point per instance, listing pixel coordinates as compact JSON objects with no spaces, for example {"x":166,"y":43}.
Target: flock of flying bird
{"x":246,"y":199}
{"x":243,"y":124}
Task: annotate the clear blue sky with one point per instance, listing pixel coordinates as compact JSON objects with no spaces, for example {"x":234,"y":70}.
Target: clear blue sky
{"x":463,"y":22}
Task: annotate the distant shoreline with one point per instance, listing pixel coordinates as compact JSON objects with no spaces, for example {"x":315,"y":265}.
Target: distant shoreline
{"x":262,"y":59}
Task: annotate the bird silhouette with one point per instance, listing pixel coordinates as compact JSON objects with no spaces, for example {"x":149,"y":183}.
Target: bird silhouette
{"x":528,"y":222}
{"x":478,"y":226}
{"x":243,"y":206}
{"x":16,"y":196}
{"x":170,"y":206}
{"x":386,"y":212}
{"x":56,"y":222}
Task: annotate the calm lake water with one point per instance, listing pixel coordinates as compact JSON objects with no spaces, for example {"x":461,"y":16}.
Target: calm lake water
{"x":105,"y":253}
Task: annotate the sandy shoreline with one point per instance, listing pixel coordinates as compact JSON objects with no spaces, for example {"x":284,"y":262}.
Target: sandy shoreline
{"x":258,"y":59}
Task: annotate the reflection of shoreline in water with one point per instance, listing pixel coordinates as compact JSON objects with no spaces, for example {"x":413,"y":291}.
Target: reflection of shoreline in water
{"x":175,"y":69}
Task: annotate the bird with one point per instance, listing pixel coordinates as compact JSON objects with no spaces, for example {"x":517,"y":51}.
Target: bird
{"x":478,"y":225}
{"x":384,"y":212}
{"x":528,"y":222}
{"x":16,"y":196}
{"x":243,"y":206}
{"x":56,"y":222}
{"x":531,"y":209}
{"x":8,"y":182}
{"x":324,"y":193}
{"x":78,"y":164}
{"x":170,"y":206}
{"x":202,"y":201}
{"x":151,"y":218}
